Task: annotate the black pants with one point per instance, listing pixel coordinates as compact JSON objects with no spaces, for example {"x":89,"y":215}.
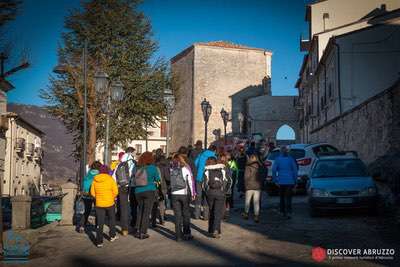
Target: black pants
{"x":216,"y":204}
{"x":240,"y":179}
{"x":180,"y":205}
{"x":285,"y":193}
{"x":133,"y":206}
{"x":201,"y":201}
{"x":100,"y":217}
{"x":88,"y":201}
{"x":158,"y":210}
{"x":123,"y":207}
{"x":145,"y":202}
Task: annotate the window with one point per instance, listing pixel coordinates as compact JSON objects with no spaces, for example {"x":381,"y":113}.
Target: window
{"x":163,"y":129}
{"x":138,"y":148}
{"x":297,"y":153}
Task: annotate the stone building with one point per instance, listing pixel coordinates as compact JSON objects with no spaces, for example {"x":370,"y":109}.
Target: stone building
{"x":23,"y":160}
{"x":215,"y":71}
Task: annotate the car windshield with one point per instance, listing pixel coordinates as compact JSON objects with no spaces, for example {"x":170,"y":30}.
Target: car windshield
{"x":54,"y":207}
{"x":339,"y":168}
{"x":297,"y":153}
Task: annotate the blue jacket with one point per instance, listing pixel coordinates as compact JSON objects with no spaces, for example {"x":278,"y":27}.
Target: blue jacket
{"x":284,"y":170}
{"x":88,"y":180}
{"x":200,"y":163}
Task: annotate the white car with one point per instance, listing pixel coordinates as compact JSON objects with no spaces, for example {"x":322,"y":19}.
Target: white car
{"x":305,"y":155}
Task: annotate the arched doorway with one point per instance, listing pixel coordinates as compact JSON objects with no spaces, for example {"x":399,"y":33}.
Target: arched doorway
{"x":285,"y":135}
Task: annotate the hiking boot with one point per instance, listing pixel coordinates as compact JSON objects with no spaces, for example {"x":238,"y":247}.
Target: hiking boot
{"x":81,"y":230}
{"x":178,"y":239}
{"x":256,"y":219}
{"x":187,"y":237}
{"x":112,"y":239}
{"x":245,"y":215}
{"x":124,"y":232}
{"x":100,"y":245}
{"x":216,"y":235}
{"x":137,"y":235}
{"x":144,"y":236}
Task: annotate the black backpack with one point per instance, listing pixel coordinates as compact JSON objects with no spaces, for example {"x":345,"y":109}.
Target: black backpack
{"x":178,"y":182}
{"x":122,"y":173}
{"x":215,"y":179}
{"x":228,"y":181}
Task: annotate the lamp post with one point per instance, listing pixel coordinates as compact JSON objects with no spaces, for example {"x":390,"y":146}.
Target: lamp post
{"x":225,"y":119}
{"x":241,"y":120}
{"x":206,"y":108}
{"x":61,"y":69}
{"x":169,"y":101}
{"x":114,"y":91}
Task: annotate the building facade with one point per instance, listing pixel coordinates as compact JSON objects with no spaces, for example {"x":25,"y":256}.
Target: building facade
{"x":349,"y":62}
{"x":23,"y":160}
{"x":215,"y":71}
{"x":157,"y":138}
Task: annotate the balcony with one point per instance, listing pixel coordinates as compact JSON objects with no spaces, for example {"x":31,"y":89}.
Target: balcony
{"x":20,"y":145}
{"x":38,"y":154}
{"x":30,"y":150}
{"x":304,"y":44}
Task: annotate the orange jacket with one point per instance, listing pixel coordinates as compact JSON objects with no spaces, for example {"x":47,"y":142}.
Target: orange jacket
{"x":104,"y":189}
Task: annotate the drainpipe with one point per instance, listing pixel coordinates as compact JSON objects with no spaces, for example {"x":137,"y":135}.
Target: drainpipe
{"x":339,"y":81}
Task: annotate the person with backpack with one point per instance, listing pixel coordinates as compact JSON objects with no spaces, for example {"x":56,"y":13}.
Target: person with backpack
{"x":86,"y":197}
{"x":241,"y":161}
{"x":145,"y":182}
{"x":253,"y":185}
{"x":182,"y":192}
{"x":104,"y":189}
{"x":215,"y":188}
{"x":200,"y":164}
{"x":123,"y":175}
{"x":159,"y":204}
{"x":284,"y":174}
{"x":225,"y":158}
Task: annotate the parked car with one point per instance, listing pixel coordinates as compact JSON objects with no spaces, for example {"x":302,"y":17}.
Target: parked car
{"x":340,"y":182}
{"x":305,"y":155}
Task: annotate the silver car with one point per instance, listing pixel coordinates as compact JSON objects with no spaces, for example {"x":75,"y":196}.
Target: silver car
{"x":340,"y":182}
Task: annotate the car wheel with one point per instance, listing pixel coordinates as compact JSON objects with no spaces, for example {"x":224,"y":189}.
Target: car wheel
{"x":314,"y":212}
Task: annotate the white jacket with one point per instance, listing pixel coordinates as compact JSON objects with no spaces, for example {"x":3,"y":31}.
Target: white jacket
{"x":188,"y":176}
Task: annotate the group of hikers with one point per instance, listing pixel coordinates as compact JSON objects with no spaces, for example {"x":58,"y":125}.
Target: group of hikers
{"x":206,"y":178}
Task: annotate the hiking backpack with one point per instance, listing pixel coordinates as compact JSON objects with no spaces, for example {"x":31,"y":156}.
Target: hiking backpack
{"x":215,"y":179}
{"x":228,"y":182}
{"x":178,"y":182}
{"x":122,"y":173}
{"x":140,"y":177}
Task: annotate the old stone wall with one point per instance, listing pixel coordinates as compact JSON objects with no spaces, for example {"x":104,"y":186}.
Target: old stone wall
{"x":181,"y":118}
{"x":269,"y":113}
{"x":220,"y":73}
{"x":372,"y":128}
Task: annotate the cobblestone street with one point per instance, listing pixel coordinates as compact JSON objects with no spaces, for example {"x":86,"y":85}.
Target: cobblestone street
{"x":275,"y":241}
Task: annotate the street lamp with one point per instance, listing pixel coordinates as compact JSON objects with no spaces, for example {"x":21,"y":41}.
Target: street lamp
{"x":62,"y":69}
{"x":206,"y":109}
{"x":114,"y":91}
{"x":225,"y":119}
{"x":240,"y":117}
{"x":169,"y":100}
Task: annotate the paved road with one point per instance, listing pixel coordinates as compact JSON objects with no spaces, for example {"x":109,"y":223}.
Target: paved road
{"x":275,"y":241}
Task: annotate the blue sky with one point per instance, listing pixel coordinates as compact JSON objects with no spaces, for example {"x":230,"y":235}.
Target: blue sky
{"x":270,"y":24}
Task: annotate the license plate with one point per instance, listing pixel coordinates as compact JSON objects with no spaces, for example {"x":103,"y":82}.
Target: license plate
{"x":344,"y":200}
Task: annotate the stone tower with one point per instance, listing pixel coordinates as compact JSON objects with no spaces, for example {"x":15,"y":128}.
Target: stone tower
{"x":215,"y":71}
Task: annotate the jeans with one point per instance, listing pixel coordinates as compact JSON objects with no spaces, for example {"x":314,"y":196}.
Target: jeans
{"x":285,"y":193}
{"x":180,"y":204}
{"x":133,"y":205}
{"x":216,"y":204}
{"x":145,"y":202}
{"x":201,"y":201}
{"x":255,"y":196}
{"x":100,"y":216}
{"x":158,"y":210}
{"x":123,"y":207}
{"x":88,"y":201}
